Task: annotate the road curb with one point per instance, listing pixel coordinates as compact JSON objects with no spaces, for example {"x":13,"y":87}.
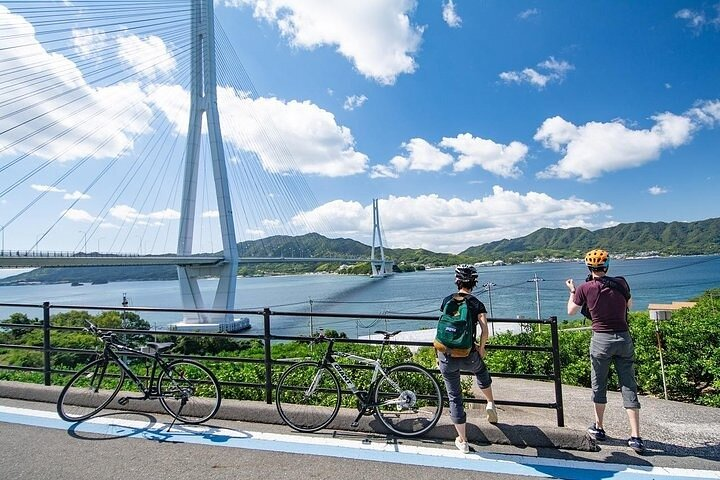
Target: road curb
{"x":478,"y":429}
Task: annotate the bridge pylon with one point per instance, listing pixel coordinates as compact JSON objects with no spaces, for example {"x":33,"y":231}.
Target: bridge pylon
{"x":380,"y":267}
{"x":203,"y":103}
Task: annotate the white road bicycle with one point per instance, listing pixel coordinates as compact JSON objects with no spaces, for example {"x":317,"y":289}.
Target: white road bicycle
{"x":405,"y":398}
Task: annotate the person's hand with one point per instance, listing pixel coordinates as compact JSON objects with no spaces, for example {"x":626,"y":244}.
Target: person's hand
{"x":481,"y":350}
{"x":570,"y":284}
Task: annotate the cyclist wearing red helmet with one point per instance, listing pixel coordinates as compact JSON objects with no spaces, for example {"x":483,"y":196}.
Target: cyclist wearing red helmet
{"x":606,"y":300}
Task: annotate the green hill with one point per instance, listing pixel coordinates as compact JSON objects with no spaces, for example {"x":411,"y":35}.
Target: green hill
{"x":674,"y":238}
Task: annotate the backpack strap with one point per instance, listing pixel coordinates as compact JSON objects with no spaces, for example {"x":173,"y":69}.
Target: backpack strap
{"x":610,"y":282}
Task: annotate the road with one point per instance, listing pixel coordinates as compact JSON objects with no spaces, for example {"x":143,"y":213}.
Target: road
{"x":36,"y":444}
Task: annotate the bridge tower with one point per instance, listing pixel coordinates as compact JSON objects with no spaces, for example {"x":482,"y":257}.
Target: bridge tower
{"x":379,"y":267}
{"x":203,"y":103}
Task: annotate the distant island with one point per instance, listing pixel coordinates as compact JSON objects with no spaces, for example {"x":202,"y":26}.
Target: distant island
{"x":628,"y":239}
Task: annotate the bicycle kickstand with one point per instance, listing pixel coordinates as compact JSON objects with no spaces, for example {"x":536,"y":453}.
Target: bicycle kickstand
{"x":175,"y":417}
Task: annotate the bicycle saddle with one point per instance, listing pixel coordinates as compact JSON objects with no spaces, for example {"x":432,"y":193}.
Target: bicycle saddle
{"x":160,"y":347}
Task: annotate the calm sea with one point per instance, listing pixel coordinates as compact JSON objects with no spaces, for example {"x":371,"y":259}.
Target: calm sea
{"x":514,"y":293}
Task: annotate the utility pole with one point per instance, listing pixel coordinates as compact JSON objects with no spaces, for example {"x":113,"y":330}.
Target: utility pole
{"x":124,"y":314}
{"x":489,"y":286}
{"x":537,"y":281}
{"x":311,"y":319}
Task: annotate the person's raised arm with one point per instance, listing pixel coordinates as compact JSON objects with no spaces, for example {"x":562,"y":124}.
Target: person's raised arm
{"x":572,"y":307}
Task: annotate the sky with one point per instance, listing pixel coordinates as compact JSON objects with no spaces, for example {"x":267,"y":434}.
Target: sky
{"x":470,"y":121}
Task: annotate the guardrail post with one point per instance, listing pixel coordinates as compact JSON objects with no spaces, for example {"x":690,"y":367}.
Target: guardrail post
{"x":556,"y":372}
{"x":268,"y":356}
{"x":46,"y":342}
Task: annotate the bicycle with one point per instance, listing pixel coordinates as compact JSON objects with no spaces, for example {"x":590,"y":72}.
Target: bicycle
{"x":176,"y":383}
{"x":405,"y":398}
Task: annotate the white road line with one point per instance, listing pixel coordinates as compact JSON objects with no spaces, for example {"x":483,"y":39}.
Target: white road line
{"x":356,"y":449}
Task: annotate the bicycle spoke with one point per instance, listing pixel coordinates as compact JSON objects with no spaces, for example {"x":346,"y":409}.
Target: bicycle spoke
{"x":90,"y":390}
{"x":307,"y":397}
{"x":189,"y":391}
{"x":409,"y":400}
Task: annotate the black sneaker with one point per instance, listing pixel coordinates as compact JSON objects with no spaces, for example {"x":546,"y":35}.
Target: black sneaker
{"x":636,"y":444}
{"x":596,"y":433}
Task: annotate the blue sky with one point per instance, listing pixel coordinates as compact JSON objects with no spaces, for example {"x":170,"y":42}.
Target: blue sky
{"x":470,"y":121}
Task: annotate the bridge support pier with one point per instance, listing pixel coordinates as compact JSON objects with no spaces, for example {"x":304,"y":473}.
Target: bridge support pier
{"x":379,"y":267}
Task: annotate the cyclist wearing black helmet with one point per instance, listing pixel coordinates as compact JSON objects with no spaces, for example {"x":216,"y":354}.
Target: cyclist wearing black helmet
{"x":450,"y":366}
{"x":606,"y":301}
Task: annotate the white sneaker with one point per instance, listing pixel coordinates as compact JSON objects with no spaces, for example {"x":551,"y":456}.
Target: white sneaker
{"x":491,"y":413}
{"x":462,"y":446}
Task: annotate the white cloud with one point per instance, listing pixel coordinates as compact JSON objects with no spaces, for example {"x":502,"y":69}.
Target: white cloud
{"x":375,"y":35}
{"x":76,"y":195}
{"x":77,"y":215}
{"x":147,"y":56}
{"x":46,"y":188}
{"x":525,"y":14}
{"x":421,"y":156}
{"x":452,"y":225}
{"x":59,"y":116}
{"x":89,"y":42}
{"x":656,"y":190}
{"x":494,"y":157}
{"x":551,"y":71}
{"x":128,"y":213}
{"x":596,"y":148}
{"x":316,"y":144}
{"x":698,"y":20}
{"x":472,"y":151}
{"x":706,"y":113}
{"x":383,"y":171}
{"x":354,"y":101}
{"x":450,"y":15}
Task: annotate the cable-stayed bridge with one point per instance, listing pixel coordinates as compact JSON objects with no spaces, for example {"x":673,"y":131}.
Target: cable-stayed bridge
{"x":32,"y":259}
{"x":149,"y":118}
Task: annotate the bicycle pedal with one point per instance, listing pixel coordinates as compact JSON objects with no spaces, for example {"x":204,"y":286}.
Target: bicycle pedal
{"x":354,"y":424}
{"x":123,"y":400}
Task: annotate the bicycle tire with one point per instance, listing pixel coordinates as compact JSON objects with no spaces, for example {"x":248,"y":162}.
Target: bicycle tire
{"x":90,"y":390}
{"x":189,"y":391}
{"x":412,"y":409}
{"x":302,"y":412}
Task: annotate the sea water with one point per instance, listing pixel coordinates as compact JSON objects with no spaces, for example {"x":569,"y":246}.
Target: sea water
{"x":510,"y":291}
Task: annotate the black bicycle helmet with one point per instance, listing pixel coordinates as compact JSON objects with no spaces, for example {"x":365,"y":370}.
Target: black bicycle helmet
{"x":465,"y":273}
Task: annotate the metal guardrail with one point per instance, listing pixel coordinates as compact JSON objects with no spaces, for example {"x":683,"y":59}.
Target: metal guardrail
{"x":267,"y":338}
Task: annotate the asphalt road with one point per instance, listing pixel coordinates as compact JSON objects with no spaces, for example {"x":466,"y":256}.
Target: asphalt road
{"x":35,"y":444}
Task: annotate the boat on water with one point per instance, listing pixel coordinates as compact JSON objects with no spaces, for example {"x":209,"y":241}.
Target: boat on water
{"x":232,"y":326}
{"x":76,"y":284}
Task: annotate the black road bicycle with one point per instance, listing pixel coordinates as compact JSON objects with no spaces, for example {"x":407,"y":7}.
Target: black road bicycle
{"x":405,"y":398}
{"x":187,"y":390}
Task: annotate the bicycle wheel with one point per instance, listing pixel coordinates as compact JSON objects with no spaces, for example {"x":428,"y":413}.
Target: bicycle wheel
{"x":90,"y":390}
{"x":408,"y":400}
{"x":308,"y":396}
{"x":189,"y":391}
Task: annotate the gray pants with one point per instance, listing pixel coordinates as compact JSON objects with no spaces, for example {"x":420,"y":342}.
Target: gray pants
{"x":450,"y":368}
{"x":617,"y":348}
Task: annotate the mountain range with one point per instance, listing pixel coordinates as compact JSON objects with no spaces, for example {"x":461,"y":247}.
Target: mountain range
{"x":640,"y":238}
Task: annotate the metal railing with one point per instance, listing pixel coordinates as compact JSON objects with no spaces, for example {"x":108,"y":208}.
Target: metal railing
{"x":266,"y":337}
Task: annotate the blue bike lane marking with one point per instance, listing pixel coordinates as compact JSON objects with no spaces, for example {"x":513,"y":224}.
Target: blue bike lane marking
{"x":351,"y":449}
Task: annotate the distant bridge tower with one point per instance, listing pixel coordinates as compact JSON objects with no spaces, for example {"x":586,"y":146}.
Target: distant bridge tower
{"x":379,"y":268}
{"x":203,"y":102}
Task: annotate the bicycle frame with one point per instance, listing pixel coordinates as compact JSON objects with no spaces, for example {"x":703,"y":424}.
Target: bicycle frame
{"x":378,"y":372}
{"x":149,"y":389}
